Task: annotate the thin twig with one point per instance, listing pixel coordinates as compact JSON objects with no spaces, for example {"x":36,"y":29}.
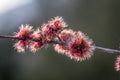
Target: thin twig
{"x":102,"y":49}
{"x":9,"y":37}
{"x":106,"y":49}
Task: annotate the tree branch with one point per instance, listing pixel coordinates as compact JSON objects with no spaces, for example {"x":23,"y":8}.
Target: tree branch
{"x":102,"y":49}
{"x":106,"y":49}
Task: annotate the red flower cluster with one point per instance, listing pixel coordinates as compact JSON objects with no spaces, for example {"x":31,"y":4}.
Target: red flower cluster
{"x":73,"y":44}
{"x":77,"y":46}
{"x":117,"y":65}
{"x":48,"y":32}
{"x":65,"y":36}
{"x":52,"y":29}
{"x":36,"y":45}
{"x":24,"y":36}
{"x":80,"y":47}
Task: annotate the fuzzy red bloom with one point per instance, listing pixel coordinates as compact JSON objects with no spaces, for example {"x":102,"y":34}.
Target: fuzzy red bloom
{"x":24,"y":31}
{"x":51,"y":29}
{"x":20,"y":46}
{"x":36,"y":45}
{"x":58,"y":22}
{"x":37,"y":34}
{"x":49,"y":32}
{"x":24,"y":41}
{"x":62,"y":49}
{"x":65,"y":36}
{"x":117,"y":64}
{"x":80,"y":47}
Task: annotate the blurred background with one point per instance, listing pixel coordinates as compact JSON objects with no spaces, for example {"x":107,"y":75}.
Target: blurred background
{"x":100,"y":19}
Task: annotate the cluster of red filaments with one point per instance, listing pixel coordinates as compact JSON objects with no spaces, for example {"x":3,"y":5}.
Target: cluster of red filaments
{"x":73,"y":44}
{"x":117,"y":64}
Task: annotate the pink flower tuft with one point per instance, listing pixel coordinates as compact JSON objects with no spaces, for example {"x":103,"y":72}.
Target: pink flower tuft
{"x":20,"y":46}
{"x":37,"y":34}
{"x":24,"y":31}
{"x":58,"y":22}
{"x":36,"y":46}
{"x":51,"y":29}
{"x":24,"y":41}
{"x":117,"y":64}
{"x":62,"y":49}
{"x":49,"y":32}
{"x":80,"y":47}
{"x":65,"y":36}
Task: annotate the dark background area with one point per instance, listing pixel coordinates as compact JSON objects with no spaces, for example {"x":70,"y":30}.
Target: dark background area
{"x":99,"y":19}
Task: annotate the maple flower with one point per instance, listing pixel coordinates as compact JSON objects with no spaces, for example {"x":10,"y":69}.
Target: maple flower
{"x":37,"y":34}
{"x":80,"y":47}
{"x":62,"y":49}
{"x":53,"y":27}
{"x":65,"y":36}
{"x":24,"y":41}
{"x":117,"y":64}
{"x":35,"y":46}
{"x":58,"y":22}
